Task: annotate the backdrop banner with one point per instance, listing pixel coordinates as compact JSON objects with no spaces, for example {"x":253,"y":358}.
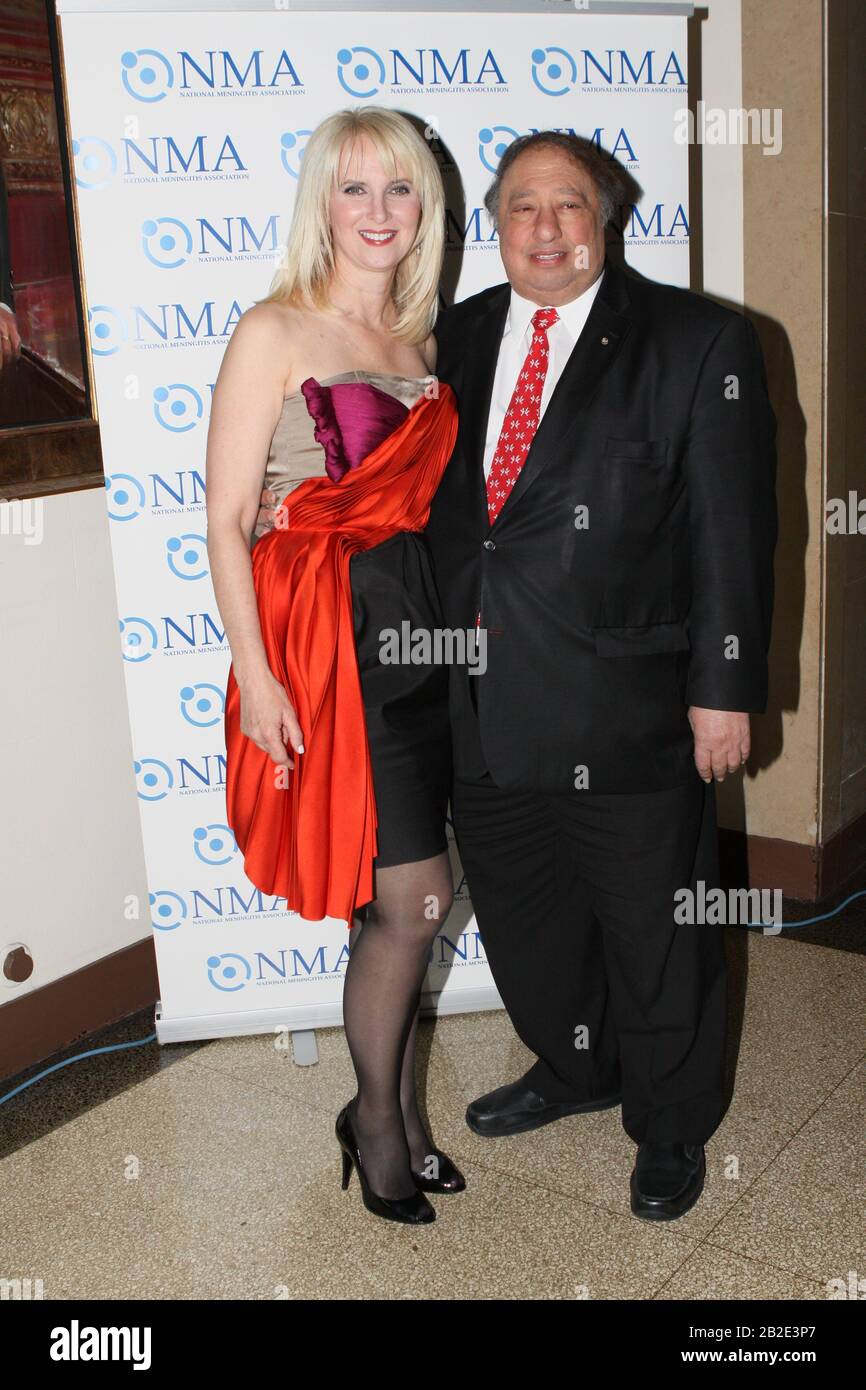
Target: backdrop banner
{"x":188,"y":131}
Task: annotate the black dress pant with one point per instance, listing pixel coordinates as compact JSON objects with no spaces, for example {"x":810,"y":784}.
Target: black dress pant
{"x":574,"y":899}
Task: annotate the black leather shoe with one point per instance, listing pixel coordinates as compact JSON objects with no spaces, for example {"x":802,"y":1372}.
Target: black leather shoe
{"x":515,"y":1108}
{"x":450,"y":1179}
{"x":667,"y":1180}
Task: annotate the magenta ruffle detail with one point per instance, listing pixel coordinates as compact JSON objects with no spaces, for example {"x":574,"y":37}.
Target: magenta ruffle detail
{"x":327,"y":432}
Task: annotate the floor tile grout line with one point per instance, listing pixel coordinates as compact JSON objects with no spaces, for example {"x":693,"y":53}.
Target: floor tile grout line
{"x":105,"y":1126}
{"x":554,"y":1191}
{"x":750,"y":1259}
{"x":465,"y":1156}
{"x":706,"y":1238}
{"x":470,"y":1159}
{"x":695,"y":1242}
{"x":602,"y":1206}
{"x":782,"y":1269}
{"x":675,"y":1272}
{"x":508,"y":1178}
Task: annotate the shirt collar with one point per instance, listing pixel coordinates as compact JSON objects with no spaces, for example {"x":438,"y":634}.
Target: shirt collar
{"x":573,"y":315}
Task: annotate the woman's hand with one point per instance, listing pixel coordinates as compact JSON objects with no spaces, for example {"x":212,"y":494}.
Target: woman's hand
{"x":266,"y":518}
{"x":10,"y":338}
{"x":267,"y":717}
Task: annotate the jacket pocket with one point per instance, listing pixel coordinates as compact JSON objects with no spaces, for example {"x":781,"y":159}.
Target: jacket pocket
{"x":641,"y":450}
{"x":641,"y":641}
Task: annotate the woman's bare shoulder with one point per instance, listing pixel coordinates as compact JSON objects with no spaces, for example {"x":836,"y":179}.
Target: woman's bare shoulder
{"x":272,"y":321}
{"x":276,"y":331}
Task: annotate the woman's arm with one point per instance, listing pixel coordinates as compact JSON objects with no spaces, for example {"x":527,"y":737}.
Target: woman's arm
{"x":246,"y":405}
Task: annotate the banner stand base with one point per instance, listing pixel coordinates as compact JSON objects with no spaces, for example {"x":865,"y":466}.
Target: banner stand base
{"x":305,"y":1051}
{"x":302,"y":1020}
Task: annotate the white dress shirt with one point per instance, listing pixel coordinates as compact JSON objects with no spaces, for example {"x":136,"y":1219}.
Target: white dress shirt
{"x":516,"y":340}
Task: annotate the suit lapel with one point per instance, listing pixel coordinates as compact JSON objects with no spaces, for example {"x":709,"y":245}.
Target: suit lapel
{"x":481,"y":351}
{"x":605,"y":330}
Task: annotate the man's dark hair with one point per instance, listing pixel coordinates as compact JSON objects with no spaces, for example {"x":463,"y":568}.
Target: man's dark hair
{"x":609,"y":179}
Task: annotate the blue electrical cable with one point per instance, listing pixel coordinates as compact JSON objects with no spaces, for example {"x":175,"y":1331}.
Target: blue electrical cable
{"x":118,"y":1047}
{"x":807,"y":921}
{"x":94,"y":1052}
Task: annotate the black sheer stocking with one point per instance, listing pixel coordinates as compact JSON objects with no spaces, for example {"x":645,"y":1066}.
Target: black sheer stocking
{"x":419,"y":1141}
{"x":388,"y":957}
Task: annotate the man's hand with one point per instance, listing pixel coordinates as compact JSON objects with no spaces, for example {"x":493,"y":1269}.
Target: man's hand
{"x":722,"y":741}
{"x":265,"y":518}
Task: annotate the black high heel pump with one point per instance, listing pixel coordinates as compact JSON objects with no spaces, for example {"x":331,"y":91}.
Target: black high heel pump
{"x":414,"y":1210}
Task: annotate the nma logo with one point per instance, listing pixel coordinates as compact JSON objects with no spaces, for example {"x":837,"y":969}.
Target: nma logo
{"x":148,"y":75}
{"x":556,"y":71}
{"x":363,"y":72}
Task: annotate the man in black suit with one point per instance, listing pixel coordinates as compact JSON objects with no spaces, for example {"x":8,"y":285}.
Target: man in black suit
{"x":618,"y":553}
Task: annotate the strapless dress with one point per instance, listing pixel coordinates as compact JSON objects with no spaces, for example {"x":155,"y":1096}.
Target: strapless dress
{"x":325,"y":429}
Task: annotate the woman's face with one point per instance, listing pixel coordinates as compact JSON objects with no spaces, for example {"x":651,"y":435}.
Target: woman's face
{"x":374,"y":212}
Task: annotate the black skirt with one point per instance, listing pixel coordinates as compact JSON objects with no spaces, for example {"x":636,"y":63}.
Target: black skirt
{"x":406,"y":704}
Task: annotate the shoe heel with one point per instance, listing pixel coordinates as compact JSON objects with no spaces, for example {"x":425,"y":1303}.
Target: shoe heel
{"x":347,"y":1167}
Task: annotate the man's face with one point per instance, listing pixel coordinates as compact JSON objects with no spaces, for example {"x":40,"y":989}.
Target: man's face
{"x":551,"y":234}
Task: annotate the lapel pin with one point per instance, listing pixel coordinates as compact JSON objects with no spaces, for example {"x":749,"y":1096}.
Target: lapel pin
{"x":604,"y":342}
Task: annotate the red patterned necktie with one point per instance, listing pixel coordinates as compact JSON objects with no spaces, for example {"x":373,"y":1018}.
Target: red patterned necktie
{"x":521,"y":417}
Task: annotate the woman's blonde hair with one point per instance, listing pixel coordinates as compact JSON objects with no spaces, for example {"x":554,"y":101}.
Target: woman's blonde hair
{"x":304,"y":277}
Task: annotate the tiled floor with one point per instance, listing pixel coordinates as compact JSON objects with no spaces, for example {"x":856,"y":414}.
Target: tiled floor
{"x":212,"y":1171}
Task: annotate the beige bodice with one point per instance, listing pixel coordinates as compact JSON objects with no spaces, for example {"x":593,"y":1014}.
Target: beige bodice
{"x":295,"y":454}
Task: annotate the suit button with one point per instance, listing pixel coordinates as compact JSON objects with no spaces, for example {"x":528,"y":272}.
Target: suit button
{"x":489,"y":545}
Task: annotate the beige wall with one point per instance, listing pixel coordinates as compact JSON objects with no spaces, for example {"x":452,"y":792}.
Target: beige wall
{"x":843,"y":770}
{"x":804,"y":285}
{"x":69,"y":822}
{"x":783,"y":226}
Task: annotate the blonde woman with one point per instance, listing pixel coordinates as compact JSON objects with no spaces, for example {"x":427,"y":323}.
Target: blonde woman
{"x":338,"y":764}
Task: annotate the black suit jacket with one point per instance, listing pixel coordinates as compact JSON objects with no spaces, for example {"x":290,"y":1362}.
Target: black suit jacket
{"x":605,"y":624}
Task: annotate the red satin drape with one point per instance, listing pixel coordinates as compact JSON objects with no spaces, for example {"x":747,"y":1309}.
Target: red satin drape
{"x":309,"y":834}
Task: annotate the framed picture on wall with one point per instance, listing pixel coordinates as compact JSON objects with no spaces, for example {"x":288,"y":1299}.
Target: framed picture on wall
{"x":49,"y":435}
